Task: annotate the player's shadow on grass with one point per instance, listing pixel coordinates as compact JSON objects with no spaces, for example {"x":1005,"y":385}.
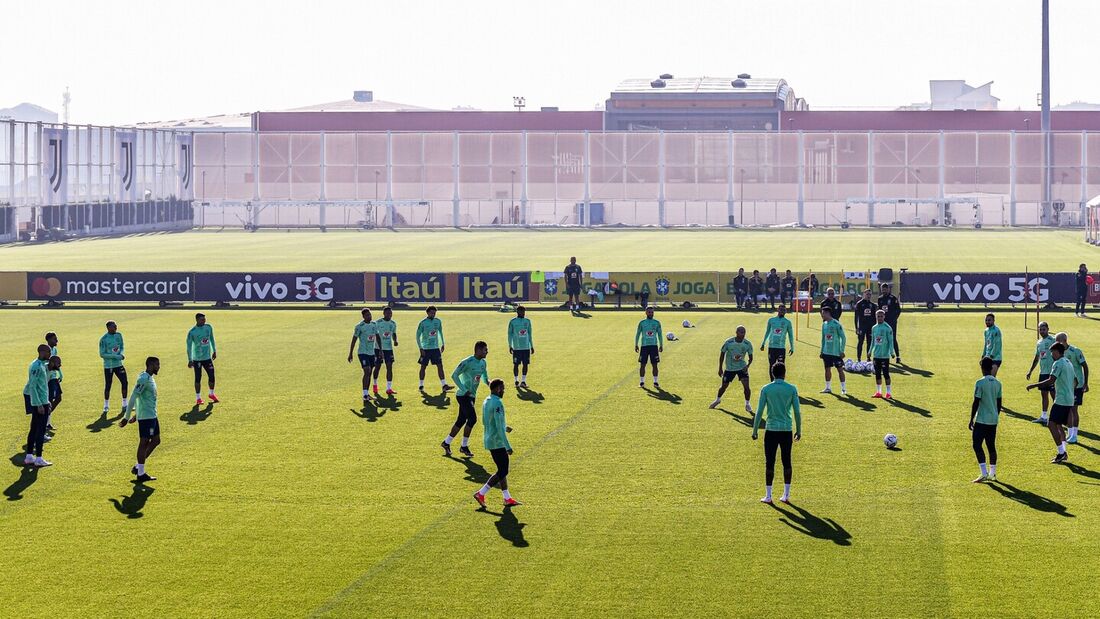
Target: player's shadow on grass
{"x":912,"y":408}
{"x":131,"y":506}
{"x":814,"y":402}
{"x":474,"y":471}
{"x":102,"y":423}
{"x":581,"y":315}
{"x":389,"y":403}
{"x":1088,"y":448}
{"x":1015,"y":415}
{"x":441,"y":401}
{"x":743,"y":420}
{"x":862,"y":405}
{"x":1082,"y":471}
{"x":905,"y":370}
{"x":527,"y":395}
{"x":1030,"y":499}
{"x":1089,"y":435}
{"x":370,"y":412}
{"x":197,"y":415}
{"x":509,"y":527}
{"x":808,"y":524}
{"x":27,"y":476}
{"x":664,"y":396}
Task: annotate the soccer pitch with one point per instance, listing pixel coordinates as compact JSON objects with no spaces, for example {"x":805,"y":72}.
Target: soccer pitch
{"x":291,"y":499}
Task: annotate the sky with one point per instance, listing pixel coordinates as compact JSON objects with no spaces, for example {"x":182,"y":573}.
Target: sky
{"x":127,"y":62}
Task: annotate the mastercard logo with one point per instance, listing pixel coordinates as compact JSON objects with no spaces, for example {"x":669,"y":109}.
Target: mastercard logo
{"x":46,"y":286}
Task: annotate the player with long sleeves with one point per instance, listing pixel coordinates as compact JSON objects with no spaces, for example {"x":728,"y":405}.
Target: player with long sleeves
{"x":833,"y":342}
{"x":649,"y":344}
{"x":113,"y":352}
{"x":201,"y":353}
{"x":779,"y":400}
{"x":521,"y":345}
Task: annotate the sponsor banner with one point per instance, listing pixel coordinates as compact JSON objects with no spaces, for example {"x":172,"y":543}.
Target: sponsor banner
{"x":13,"y":286}
{"x":678,"y":286}
{"x":1094,"y":289}
{"x":493,"y":287}
{"x":987,"y":287}
{"x":125,"y":165}
{"x":279,"y":287}
{"x":407,"y":287}
{"x":65,"y":286}
{"x":55,"y":156}
{"x":185,"y":166}
{"x":552,"y":288}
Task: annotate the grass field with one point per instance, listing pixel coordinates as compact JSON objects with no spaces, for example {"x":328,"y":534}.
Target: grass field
{"x":597,"y":250}
{"x":291,"y":499}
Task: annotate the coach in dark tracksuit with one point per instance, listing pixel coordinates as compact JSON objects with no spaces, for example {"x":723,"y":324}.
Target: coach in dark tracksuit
{"x":771,"y":284}
{"x":1081,"y":280}
{"x":740,"y":287}
{"x":832,"y":303}
{"x":787,"y":287}
{"x":864,"y":315}
{"x":892,"y":306}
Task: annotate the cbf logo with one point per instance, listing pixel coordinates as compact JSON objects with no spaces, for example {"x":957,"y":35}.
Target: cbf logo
{"x":551,"y":287}
{"x":663,"y":285}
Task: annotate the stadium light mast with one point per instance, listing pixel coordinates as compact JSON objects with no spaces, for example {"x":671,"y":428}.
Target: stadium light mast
{"x":1045,"y":117}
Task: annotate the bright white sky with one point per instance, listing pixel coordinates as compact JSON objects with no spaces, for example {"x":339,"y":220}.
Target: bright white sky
{"x":156,"y":60}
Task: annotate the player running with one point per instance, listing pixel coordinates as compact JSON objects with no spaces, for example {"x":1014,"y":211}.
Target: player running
{"x":864,"y":316}
{"x":778,"y":333}
{"x":386,"y":337}
{"x":145,"y":402}
{"x":55,"y":377}
{"x":201,"y":353}
{"x":983,"y":420}
{"x":574,"y":275}
{"x":734,"y":352}
{"x":366,"y":333}
{"x":779,"y":399}
{"x":881,"y":349}
{"x":468,"y":376}
{"x":429,"y":339}
{"x":992,"y":347}
{"x":652,"y":341}
{"x":1062,"y":378}
{"x":36,"y":401}
{"x":833,"y":342}
{"x":520,"y":345}
{"x":1044,"y":360}
{"x":112,"y":350}
{"x":1081,"y":379}
{"x":496,"y":442}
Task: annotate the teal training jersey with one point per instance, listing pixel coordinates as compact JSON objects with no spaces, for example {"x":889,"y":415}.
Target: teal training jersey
{"x":992,"y":343}
{"x":780,"y":399}
{"x":200,"y":343}
{"x":737,"y":354}
{"x":492,"y":420}
{"x":778,"y":330}
{"x":144,"y":397}
{"x":882,"y":341}
{"x":833,"y":339}
{"x":519,"y":334}
{"x":37,"y":386}
{"x":366,"y":331}
{"x":648,"y":333}
{"x":1062,"y":371}
{"x":987,"y":391}
{"x":469,"y":374}
{"x":1076,"y":359}
{"x":429,"y":334}
{"x":1042,"y":351}
{"x":111,"y":349}
{"x":387,"y":330}
{"x":55,"y":374}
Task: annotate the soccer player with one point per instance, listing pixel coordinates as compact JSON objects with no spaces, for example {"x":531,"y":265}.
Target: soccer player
{"x":833,"y":342}
{"x":201,"y":353}
{"x":756,"y":289}
{"x":386,"y":336}
{"x":36,"y":401}
{"x":520,"y":345}
{"x":740,"y":288}
{"x":992,"y":347}
{"x":771,"y":284}
{"x":983,"y":420}
{"x":779,"y":399}
{"x":496,"y":441}
{"x":1062,"y":378}
{"x":778,"y":329}
{"x":733,"y":352}
{"x":786,"y":287}
{"x":1081,"y":379}
{"x":1044,"y":360}
{"x":55,"y":381}
{"x":652,"y":341}
{"x":833,"y":303}
{"x":366,"y":332}
{"x":145,"y":402}
{"x":468,"y":376}
{"x":112,"y":350}
{"x":574,"y":275}
{"x":865,"y":320}
{"x":881,"y":349}
{"x":892,"y":306}
{"x":429,"y":339}
{"x":1081,"y":288}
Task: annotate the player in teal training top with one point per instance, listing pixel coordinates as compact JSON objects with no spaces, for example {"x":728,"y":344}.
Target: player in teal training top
{"x":201,"y":353}
{"x":992,"y":347}
{"x":734,"y":359}
{"x":468,"y":375}
{"x":778,"y":333}
{"x":881,"y":350}
{"x":779,"y":399}
{"x":1076,"y":359}
{"x":366,"y":333}
{"x":1063,"y":379}
{"x":112,"y":350}
{"x":36,"y":402}
{"x":496,"y":442}
{"x":833,"y":342}
{"x":429,"y":338}
{"x":520,"y":345}
{"x":649,"y":343}
{"x":1043,"y":359}
{"x":387,"y":339}
{"x":984,"y":414}
{"x":145,"y":402}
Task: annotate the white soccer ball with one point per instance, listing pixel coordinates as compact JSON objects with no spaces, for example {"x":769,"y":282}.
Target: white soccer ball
{"x":890,"y":440}
{"x":865,"y":366}
{"x":687,"y":324}
{"x":670,"y":336}
{"x":849,"y":365}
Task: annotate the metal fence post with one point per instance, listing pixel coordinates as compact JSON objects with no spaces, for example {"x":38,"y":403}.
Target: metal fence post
{"x":661,"y":221}
{"x":586,"y":216}
{"x":456,"y":197}
{"x":729,"y":181}
{"x":1011,"y":178}
{"x":801,"y":179}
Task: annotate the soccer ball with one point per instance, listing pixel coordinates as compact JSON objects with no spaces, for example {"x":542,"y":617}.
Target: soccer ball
{"x":687,"y":324}
{"x":670,"y":336}
{"x":890,"y":440}
{"x":849,"y":365}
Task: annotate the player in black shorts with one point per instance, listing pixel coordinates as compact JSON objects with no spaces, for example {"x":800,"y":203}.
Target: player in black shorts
{"x":574,"y":275}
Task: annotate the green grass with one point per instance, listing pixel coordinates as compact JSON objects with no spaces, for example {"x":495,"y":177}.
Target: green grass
{"x":289,"y":500}
{"x":602,"y":250}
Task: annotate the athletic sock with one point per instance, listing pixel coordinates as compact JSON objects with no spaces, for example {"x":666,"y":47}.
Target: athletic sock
{"x":888,"y":390}
{"x":747,"y":403}
{"x":1073,"y":432}
{"x":124,"y":402}
{"x":842,"y":386}
{"x":141,"y":469}
{"x":1062,"y":447}
{"x":106,"y":403}
{"x":523,"y":378}
{"x":985,"y":471}
{"x":365,"y":393}
{"x":786,"y":491}
{"x":211,"y":392}
{"x":465,"y":441}
{"x":198,"y":395}
{"x":1043,"y":415}
{"x":829,"y":384}
{"x":421,"y":383}
{"x":993,"y":470}
{"x":442,"y":383}
{"x":389,"y":385}
{"x":507,"y":495}
{"x":767,"y":492}
{"x":484,"y":490}
{"x":447,"y":439}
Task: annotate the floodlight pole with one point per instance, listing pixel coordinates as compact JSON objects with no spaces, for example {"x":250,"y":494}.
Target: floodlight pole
{"x":1045,"y":116}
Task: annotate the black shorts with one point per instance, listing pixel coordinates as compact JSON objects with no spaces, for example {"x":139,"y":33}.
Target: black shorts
{"x":649,"y":354}
{"x":776,"y":355}
{"x":367,"y":361}
{"x":1059,"y":413}
{"x":1078,"y":396}
{"x":432,"y":356}
{"x":500,"y":458}
{"x":110,"y":373}
{"x":27,"y":405}
{"x":148,"y":428}
{"x":383,"y":356}
{"x":467,"y":416}
{"x":199,"y":366}
{"x":573,"y":290}
{"x":833,"y":361}
{"x":54,"y":389}
{"x":1049,"y":388}
{"x":729,"y":375}
{"x":521,"y":356}
{"x":996,"y":363}
{"x":882,"y":365}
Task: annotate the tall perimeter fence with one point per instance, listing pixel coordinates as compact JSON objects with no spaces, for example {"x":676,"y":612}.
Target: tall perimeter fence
{"x":91,"y":180}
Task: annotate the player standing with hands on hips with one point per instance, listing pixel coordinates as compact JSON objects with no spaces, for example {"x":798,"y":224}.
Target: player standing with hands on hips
{"x":651,"y":340}
{"x":574,"y":275}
